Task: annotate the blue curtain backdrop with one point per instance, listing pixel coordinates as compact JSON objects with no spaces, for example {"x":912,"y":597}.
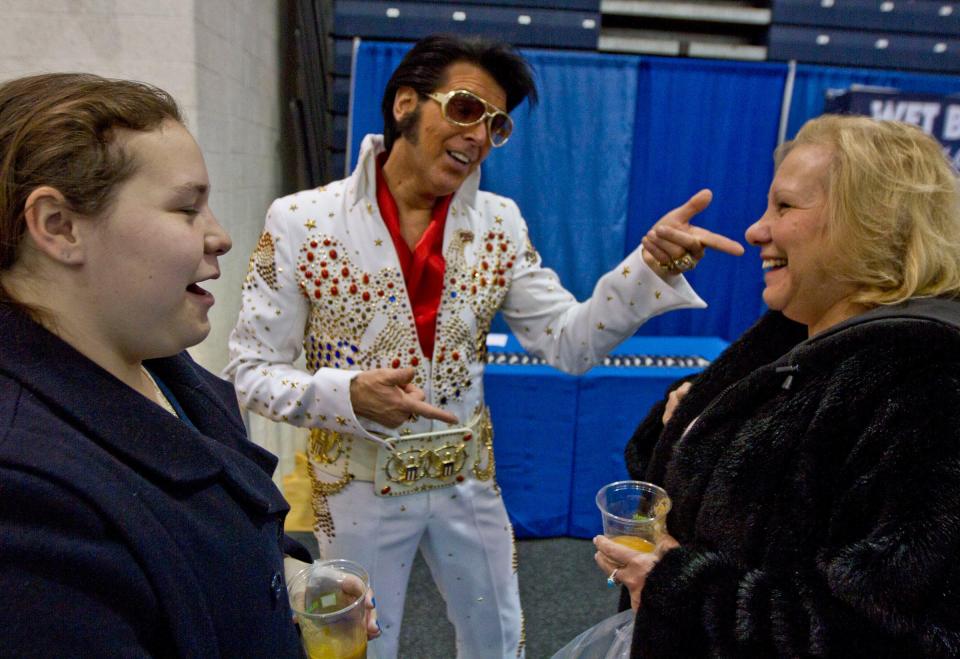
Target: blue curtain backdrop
{"x":707,"y":124}
{"x":375,"y":63}
{"x":567,"y":164}
{"x":619,"y":140}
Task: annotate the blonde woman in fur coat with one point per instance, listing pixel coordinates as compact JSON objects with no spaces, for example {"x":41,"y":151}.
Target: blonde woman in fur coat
{"x":815,"y":466}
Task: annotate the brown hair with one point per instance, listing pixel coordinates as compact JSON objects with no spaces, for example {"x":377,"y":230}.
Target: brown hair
{"x":894,"y":203}
{"x":57,"y":129}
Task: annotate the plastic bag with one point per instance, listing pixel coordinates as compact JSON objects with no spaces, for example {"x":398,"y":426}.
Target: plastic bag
{"x":608,"y":639}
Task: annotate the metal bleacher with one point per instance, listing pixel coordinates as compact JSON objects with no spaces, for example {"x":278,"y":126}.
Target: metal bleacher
{"x":728,"y":29}
{"x":922,"y":35}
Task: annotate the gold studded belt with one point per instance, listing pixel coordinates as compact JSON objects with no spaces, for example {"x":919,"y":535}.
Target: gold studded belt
{"x":420,"y":462}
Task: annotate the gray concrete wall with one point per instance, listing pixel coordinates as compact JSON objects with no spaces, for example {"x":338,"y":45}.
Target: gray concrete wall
{"x":222,"y":61}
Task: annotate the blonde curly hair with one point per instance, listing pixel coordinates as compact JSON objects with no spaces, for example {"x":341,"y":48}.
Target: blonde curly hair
{"x":894,"y":208}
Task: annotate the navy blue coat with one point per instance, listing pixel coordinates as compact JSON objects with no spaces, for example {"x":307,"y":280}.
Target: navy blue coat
{"x":123,"y":531}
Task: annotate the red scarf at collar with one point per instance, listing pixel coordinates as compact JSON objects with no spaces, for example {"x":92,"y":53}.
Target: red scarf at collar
{"x":423,"y":267}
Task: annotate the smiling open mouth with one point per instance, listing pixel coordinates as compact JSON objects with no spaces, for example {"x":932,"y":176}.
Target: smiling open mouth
{"x":459,"y":156}
{"x":772,"y":264}
{"x":196,"y":290}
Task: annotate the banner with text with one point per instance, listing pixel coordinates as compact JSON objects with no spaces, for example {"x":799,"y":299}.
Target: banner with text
{"x":938,"y":116}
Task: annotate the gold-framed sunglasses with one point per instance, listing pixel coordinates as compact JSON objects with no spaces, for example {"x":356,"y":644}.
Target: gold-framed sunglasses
{"x":463,"y":108}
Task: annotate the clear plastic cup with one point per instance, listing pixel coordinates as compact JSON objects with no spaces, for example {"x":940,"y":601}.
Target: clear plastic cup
{"x":327,"y":599}
{"x":634,"y":513}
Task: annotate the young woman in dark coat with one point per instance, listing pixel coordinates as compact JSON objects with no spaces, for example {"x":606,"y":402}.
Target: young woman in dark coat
{"x":814,"y":467}
{"x":136,"y":519}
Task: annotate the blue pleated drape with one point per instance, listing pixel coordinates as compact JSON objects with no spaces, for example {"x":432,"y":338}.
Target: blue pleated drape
{"x":374,"y":64}
{"x":567,"y":164}
{"x":619,"y":140}
{"x":707,"y":124}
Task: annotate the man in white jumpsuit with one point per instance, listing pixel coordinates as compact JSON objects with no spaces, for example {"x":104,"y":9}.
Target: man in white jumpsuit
{"x":388,"y":280}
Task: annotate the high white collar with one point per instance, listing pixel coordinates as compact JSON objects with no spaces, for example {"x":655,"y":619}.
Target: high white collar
{"x":363,"y":180}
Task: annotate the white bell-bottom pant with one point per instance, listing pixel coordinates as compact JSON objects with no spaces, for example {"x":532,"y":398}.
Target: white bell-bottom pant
{"x":465,"y":538}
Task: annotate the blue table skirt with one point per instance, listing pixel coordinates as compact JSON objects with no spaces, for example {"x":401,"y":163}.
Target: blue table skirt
{"x":559,"y":438}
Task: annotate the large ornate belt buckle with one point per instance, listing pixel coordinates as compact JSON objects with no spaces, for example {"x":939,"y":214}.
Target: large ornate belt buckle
{"x":407,"y":466}
{"x":424,"y":461}
{"x":447,"y":461}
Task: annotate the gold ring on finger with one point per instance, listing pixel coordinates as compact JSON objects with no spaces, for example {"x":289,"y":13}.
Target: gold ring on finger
{"x":683,"y":263}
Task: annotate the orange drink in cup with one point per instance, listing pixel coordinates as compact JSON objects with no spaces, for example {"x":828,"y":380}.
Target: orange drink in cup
{"x":634,"y":542}
{"x":634,"y":513}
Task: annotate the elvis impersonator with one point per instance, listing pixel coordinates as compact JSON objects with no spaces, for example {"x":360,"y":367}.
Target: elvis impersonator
{"x":387,"y":281}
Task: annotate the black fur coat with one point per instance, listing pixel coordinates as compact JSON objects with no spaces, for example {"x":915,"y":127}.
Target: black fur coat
{"x":816,"y":494}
